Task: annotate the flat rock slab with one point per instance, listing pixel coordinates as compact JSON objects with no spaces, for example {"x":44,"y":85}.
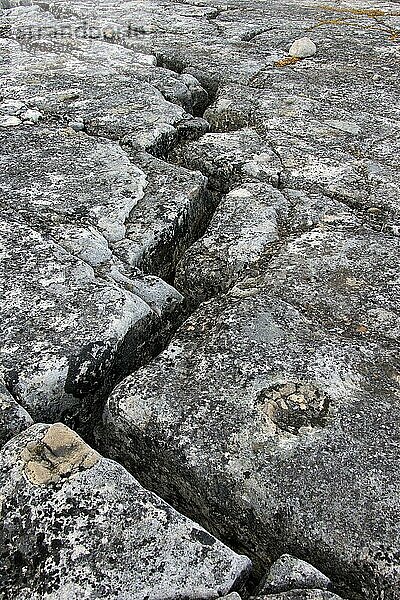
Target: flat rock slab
{"x":74,"y":525}
{"x":78,"y":189}
{"x":68,"y":84}
{"x":229,"y":158}
{"x":272,"y":428}
{"x":242,"y":233}
{"x":61,"y":326}
{"x":343,"y":277}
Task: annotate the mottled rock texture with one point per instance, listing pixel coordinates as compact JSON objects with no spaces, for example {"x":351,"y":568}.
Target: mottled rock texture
{"x":272,"y":427}
{"x":74,"y":524}
{"x":301,"y":595}
{"x":289,"y":573}
{"x":63,"y":328}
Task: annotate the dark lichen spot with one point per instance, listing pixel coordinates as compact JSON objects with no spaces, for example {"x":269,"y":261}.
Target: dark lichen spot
{"x":203,"y":537}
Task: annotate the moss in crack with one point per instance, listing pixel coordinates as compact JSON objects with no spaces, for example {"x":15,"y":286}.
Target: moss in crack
{"x":367,"y":12}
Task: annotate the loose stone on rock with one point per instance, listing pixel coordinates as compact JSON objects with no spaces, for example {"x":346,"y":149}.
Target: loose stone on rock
{"x":31,"y":115}
{"x":302,"y":48}
{"x":289,"y":572}
{"x":9,"y":121}
{"x":77,"y":125}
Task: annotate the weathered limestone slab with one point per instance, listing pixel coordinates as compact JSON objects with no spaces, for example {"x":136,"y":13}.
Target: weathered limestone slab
{"x":272,"y":429}
{"x":174,"y":208}
{"x":242,"y":234}
{"x":63,"y":221}
{"x":229,"y":158}
{"x":81,"y":198}
{"x":70,"y":90}
{"x":13,"y":418}
{"x":346,"y":279}
{"x":249,"y":226}
{"x":76,"y":525}
{"x":62,"y":328}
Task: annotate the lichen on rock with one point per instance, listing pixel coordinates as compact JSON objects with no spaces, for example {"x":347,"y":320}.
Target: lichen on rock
{"x":59,"y":454}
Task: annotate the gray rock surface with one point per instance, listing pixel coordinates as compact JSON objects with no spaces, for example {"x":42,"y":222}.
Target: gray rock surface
{"x":13,"y":418}
{"x":173,"y":210}
{"x":301,"y":595}
{"x":74,"y":524}
{"x":348,"y":279}
{"x":291,"y":573}
{"x":272,"y":415}
{"x":243,"y":232}
{"x":248,"y":227}
{"x":259,"y":415}
{"x":64,"y":330}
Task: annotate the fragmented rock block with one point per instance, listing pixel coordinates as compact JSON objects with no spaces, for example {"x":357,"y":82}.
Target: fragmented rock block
{"x":174,"y":209}
{"x":270,"y":429}
{"x":249,"y":225}
{"x":241,"y":234}
{"x":228,"y":159}
{"x":291,"y":573}
{"x":76,"y":525}
{"x":70,"y":81}
{"x":13,"y":418}
{"x":66,"y":333}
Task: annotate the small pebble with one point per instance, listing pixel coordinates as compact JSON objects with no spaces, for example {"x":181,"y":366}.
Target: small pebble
{"x":77,"y":125}
{"x":9,"y":121}
{"x":31,"y":115}
{"x":302,"y":48}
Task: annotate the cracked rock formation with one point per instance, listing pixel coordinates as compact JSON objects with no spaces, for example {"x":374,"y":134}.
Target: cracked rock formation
{"x":74,"y":524}
{"x":13,"y":418}
{"x":263,"y":464}
{"x":199,"y":237}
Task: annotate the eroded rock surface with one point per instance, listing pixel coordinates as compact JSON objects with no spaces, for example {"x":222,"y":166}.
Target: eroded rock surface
{"x":62,"y":327}
{"x":234,"y":444}
{"x":301,"y":595}
{"x":74,"y":524}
